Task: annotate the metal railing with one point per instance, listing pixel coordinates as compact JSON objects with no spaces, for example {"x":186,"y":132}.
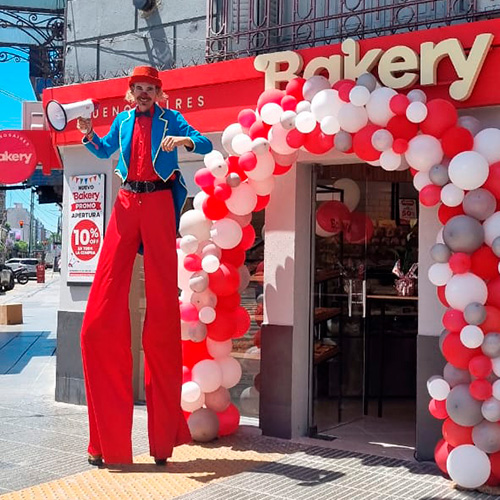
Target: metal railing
{"x":238,"y":28}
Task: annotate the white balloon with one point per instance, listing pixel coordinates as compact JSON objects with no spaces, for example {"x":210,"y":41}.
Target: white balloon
{"x":468,"y":170}
{"x":210,"y":264}
{"x":313,"y":85}
{"x":227,"y":136}
{"x":491,"y":228}
{"x":496,"y":366}
{"x":231,"y":371}
{"x":471,"y":336}
{"x":486,"y":144}
{"x":194,"y":222}
{"x":389,"y":160}
{"x":263,"y":187}
{"x":242,"y":200}
{"x":424,"y":151}
{"x":440,"y":273}
{"x":471,"y":123}
{"x":271,"y":113}
{"x":190,"y":392}
{"x":241,"y":143}
{"x":260,"y":146}
{"x":277,"y":139}
{"x":416,"y":112}
{"x":438,"y":388}
{"x":352,"y":193}
{"x":198,"y":281}
{"x":451,"y":195}
{"x":198,"y":200}
{"x":326,"y":103}
{"x":209,"y":248}
{"x":263,"y":169}
{"x":382,"y":140}
{"x":207,"y":315}
{"x":305,"y":122}
{"x":195,"y":405}
{"x":468,"y":466}
{"x":352,"y":118}
{"x":287,"y":119}
{"x":329,"y":125}
{"x":207,"y":298}
{"x":226,"y":233}
{"x":189,"y":244}
{"x":439,"y":236}
{"x":212,"y":158}
{"x":244,"y":277}
{"x":421,"y":180}
{"x":491,"y":410}
{"x":464,"y":289}
{"x":219,"y":349}
{"x":417,"y":95}
{"x":378,"y":109}
{"x":359,"y":95}
{"x":207,"y":374}
{"x":496,"y":387}
{"x":303,"y":106}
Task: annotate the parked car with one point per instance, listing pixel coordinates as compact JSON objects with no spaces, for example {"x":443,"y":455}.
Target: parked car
{"x":27,"y":262}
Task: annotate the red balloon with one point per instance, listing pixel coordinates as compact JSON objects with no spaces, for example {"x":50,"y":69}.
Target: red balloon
{"x":225,"y":281}
{"x":445,"y":213}
{"x":242,"y":322}
{"x":259,"y":313}
{"x":281,"y":169}
{"x":456,"y":140}
{"x":213,"y":208}
{"x":430,"y":195}
{"x":441,"y":295}
{"x":492,"y":321}
{"x":438,"y":409}
{"x":193,"y":352}
{"x":441,"y":115}
{"x":234,"y":167}
{"x":229,"y":302}
{"x":460,"y":263}
{"x":345,"y":89}
{"x":332,"y":216}
{"x":247,"y":117}
{"x":289,"y":103}
{"x":494,"y":292}
{"x":248,"y":238}
{"x":223,"y":326}
{"x":493,"y":480}
{"x":402,"y":128}
{"x":359,"y":228}
{"x":270,"y":95}
{"x":485,"y":263}
{"x":294,"y":88}
{"x":493,"y":181}
{"x":481,"y":389}
{"x":248,"y":161}
{"x":339,"y":83}
{"x":456,"y":353}
{"x":480,"y":366}
{"x":259,"y":129}
{"x":400,"y":146}
{"x":441,"y":452}
{"x":229,"y":420}
{"x":205,"y":180}
{"x":318,"y":143}
{"x":295,"y":139}
{"x":398,"y":104}
{"x":495,"y":463}
{"x":362,"y":143}
{"x":453,"y":320}
{"x":222,"y":192}
{"x":186,"y":374}
{"x":192,"y":262}
{"x":455,"y":434}
{"x":257,"y":338}
{"x":262,"y":202}
{"x":235,"y":256}
{"x":188,"y":312}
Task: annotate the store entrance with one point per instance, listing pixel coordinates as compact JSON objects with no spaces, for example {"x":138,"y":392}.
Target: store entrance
{"x":365,"y":305}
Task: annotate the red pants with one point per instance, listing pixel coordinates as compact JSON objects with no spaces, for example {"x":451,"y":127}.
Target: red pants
{"x":106,"y":337}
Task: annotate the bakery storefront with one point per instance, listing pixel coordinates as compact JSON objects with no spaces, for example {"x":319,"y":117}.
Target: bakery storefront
{"x":345,"y":323}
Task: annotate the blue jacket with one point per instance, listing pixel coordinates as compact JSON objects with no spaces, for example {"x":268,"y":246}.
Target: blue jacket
{"x":165,"y":122}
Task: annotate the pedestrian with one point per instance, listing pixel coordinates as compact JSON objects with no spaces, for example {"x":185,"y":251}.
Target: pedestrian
{"x":145,"y":215}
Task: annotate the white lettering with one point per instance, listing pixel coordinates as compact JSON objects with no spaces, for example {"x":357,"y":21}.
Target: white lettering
{"x":16,"y":157}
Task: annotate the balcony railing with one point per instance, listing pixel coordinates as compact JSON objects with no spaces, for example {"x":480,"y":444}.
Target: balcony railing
{"x":238,"y":28}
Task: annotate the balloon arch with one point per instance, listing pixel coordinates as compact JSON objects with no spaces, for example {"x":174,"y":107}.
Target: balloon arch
{"x":454,"y":163}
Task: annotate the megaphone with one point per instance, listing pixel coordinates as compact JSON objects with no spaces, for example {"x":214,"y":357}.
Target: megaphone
{"x":58,"y":115}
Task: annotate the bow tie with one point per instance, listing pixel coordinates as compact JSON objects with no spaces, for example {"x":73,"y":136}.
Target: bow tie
{"x":143,"y":113}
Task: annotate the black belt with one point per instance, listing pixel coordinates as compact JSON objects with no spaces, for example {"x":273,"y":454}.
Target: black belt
{"x":147,"y":186}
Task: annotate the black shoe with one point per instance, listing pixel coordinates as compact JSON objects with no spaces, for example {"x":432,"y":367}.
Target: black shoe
{"x":160,"y":461}
{"x":95,"y":460}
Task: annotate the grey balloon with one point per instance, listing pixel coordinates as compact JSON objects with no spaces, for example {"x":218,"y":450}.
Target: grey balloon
{"x":480,"y":204}
{"x":491,"y":410}
{"x":491,"y":345}
{"x":438,"y":175}
{"x":233,"y":180}
{"x":442,"y":336}
{"x":367,"y":80}
{"x":463,"y":234}
{"x":486,"y":436}
{"x":455,"y":376}
{"x":475,"y":313}
{"x":440,"y":253}
{"x":342,"y":141}
{"x":462,"y":408}
{"x":203,"y":425}
{"x":495,"y":246}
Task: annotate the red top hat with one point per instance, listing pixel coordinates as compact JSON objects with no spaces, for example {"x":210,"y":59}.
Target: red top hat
{"x":145,"y":74}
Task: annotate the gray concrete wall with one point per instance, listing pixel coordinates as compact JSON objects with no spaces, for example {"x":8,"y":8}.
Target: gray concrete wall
{"x":108,"y":39}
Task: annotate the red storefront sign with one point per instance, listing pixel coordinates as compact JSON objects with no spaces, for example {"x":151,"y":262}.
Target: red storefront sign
{"x":210,"y":96}
{"x":17,"y":157}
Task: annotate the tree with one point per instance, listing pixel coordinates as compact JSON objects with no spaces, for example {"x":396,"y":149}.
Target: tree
{"x":21,"y":247}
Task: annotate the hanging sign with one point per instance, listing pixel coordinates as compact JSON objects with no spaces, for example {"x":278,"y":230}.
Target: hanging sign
{"x":86,"y":225}
{"x":17,"y":157}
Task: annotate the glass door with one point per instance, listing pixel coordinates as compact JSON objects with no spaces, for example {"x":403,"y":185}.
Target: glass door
{"x":339,"y":298}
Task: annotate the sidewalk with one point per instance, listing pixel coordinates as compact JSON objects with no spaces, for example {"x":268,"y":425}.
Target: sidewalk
{"x":42,"y":443}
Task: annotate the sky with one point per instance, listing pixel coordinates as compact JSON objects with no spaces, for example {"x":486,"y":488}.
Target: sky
{"x":15,"y":87}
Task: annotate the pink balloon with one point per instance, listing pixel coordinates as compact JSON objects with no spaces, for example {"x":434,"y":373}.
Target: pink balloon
{"x":188,"y":312}
{"x":246,"y":117}
{"x":248,"y":161}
